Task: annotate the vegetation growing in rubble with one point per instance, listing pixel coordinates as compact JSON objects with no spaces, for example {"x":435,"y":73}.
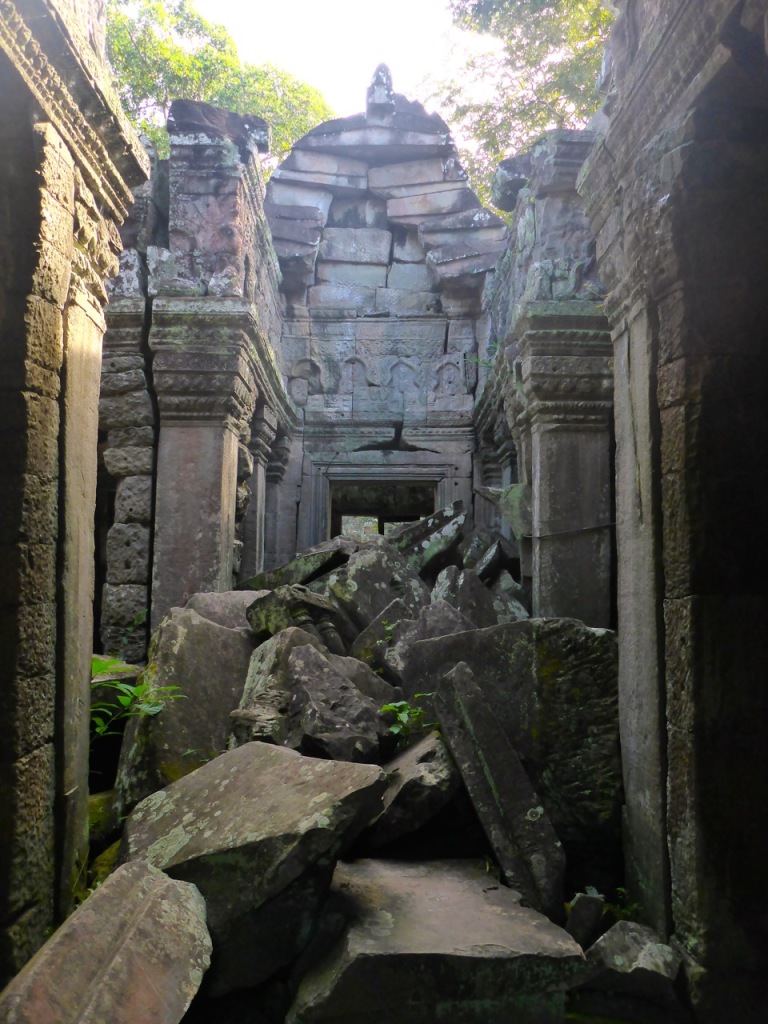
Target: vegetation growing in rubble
{"x":160,"y":51}
{"x":543,"y":75}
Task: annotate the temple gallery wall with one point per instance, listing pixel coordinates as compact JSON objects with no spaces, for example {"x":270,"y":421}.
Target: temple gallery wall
{"x":361,"y":338}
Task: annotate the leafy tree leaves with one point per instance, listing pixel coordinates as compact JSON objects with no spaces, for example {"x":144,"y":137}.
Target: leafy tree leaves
{"x":161,"y":51}
{"x":544,"y":75}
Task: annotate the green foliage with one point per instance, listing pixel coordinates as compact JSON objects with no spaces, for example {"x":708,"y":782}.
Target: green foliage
{"x":543,"y":76}
{"x":409,"y":718}
{"x":161,"y":51}
{"x":117,"y":699}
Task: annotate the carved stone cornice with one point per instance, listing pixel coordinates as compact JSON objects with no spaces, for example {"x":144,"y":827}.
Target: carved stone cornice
{"x":217,"y":338}
{"x":565,"y":367}
{"x":68,"y":81}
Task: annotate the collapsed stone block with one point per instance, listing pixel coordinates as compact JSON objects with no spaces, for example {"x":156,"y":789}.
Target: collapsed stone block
{"x":552,"y":686}
{"x":243,"y":828}
{"x":136,"y":950}
{"x":436,"y":941}
{"x":422,"y":780}
{"x":209,"y":664}
{"x":463,"y":589}
{"x":528,"y":851}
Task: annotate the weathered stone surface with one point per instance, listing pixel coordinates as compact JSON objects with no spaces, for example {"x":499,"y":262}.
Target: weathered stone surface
{"x":262,"y":713}
{"x":136,"y":950}
{"x":129,"y":461}
{"x":435,"y":941}
{"x":356,"y":245}
{"x":463,"y":589}
{"x":526,"y":846}
{"x":296,"y":605}
{"x":631,"y":959}
{"x":371,"y":644}
{"x":422,"y":780}
{"x":133,"y":500}
{"x":305,"y":567}
{"x":227,"y":609}
{"x":247,"y":825}
{"x":436,"y":619}
{"x":325,"y":714}
{"x":425,"y":543}
{"x":372,"y":578}
{"x":585,"y":918}
{"x":367,"y":275}
{"x":209,"y":664}
{"x":551,"y":685}
{"x":128,"y":553}
{"x":414,"y":209}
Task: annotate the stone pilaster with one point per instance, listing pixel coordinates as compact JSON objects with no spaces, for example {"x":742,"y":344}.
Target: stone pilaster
{"x":566,"y":378}
{"x":205,"y":384}
{"x":263,"y":433}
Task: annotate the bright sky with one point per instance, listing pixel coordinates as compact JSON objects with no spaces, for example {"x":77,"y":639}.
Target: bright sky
{"x":336,"y":45}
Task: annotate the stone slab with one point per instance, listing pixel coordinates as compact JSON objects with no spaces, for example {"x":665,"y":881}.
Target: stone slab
{"x":436,"y":941}
{"x":369,"y":275}
{"x":136,"y":950}
{"x":356,"y":245}
{"x":527,"y":849}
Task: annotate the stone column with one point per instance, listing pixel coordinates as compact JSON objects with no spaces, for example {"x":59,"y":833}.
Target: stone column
{"x":263,"y":433}
{"x":565,"y":362}
{"x":205,"y":392}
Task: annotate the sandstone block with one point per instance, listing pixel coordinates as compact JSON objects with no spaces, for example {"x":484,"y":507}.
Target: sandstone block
{"x":402,"y":302}
{"x":357,"y":213}
{"x":434,"y":941}
{"x":463,"y":589}
{"x":373,"y":577}
{"x":552,"y":686}
{"x":227,"y":609}
{"x":413,"y":276}
{"x":209,"y":663}
{"x":247,"y":825}
{"x":128,"y":410}
{"x":407,"y":248}
{"x":136,"y":950}
{"x":289,"y":194}
{"x":129,"y":461}
{"x":356,"y":245}
{"x":422,"y":780}
{"x":338,"y":184}
{"x":305,"y":566}
{"x":526,"y":847}
{"x":413,"y":209}
{"x":356,"y":298}
{"x":369,"y":275}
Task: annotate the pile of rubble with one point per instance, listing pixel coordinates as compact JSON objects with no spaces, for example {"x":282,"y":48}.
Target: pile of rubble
{"x":300,"y":847}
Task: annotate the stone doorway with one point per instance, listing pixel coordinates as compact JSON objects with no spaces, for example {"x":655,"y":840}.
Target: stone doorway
{"x":377,"y":507}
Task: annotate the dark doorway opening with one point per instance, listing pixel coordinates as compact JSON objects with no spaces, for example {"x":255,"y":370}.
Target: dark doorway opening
{"x":362,"y":509}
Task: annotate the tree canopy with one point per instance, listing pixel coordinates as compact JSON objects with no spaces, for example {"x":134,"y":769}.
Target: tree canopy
{"x":162,"y":50}
{"x":543,"y":76}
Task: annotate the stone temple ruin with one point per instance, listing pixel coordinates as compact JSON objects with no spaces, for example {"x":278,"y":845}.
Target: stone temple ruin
{"x":556,"y":419}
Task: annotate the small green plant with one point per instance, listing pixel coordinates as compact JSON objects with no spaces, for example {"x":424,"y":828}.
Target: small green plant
{"x":127,"y":632}
{"x":409,"y":718}
{"x":117,"y":699}
{"x":388,"y":628}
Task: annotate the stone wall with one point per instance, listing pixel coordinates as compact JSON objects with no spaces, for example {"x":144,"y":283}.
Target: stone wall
{"x":545,"y":408}
{"x":677,"y":196}
{"x":64,"y":189}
